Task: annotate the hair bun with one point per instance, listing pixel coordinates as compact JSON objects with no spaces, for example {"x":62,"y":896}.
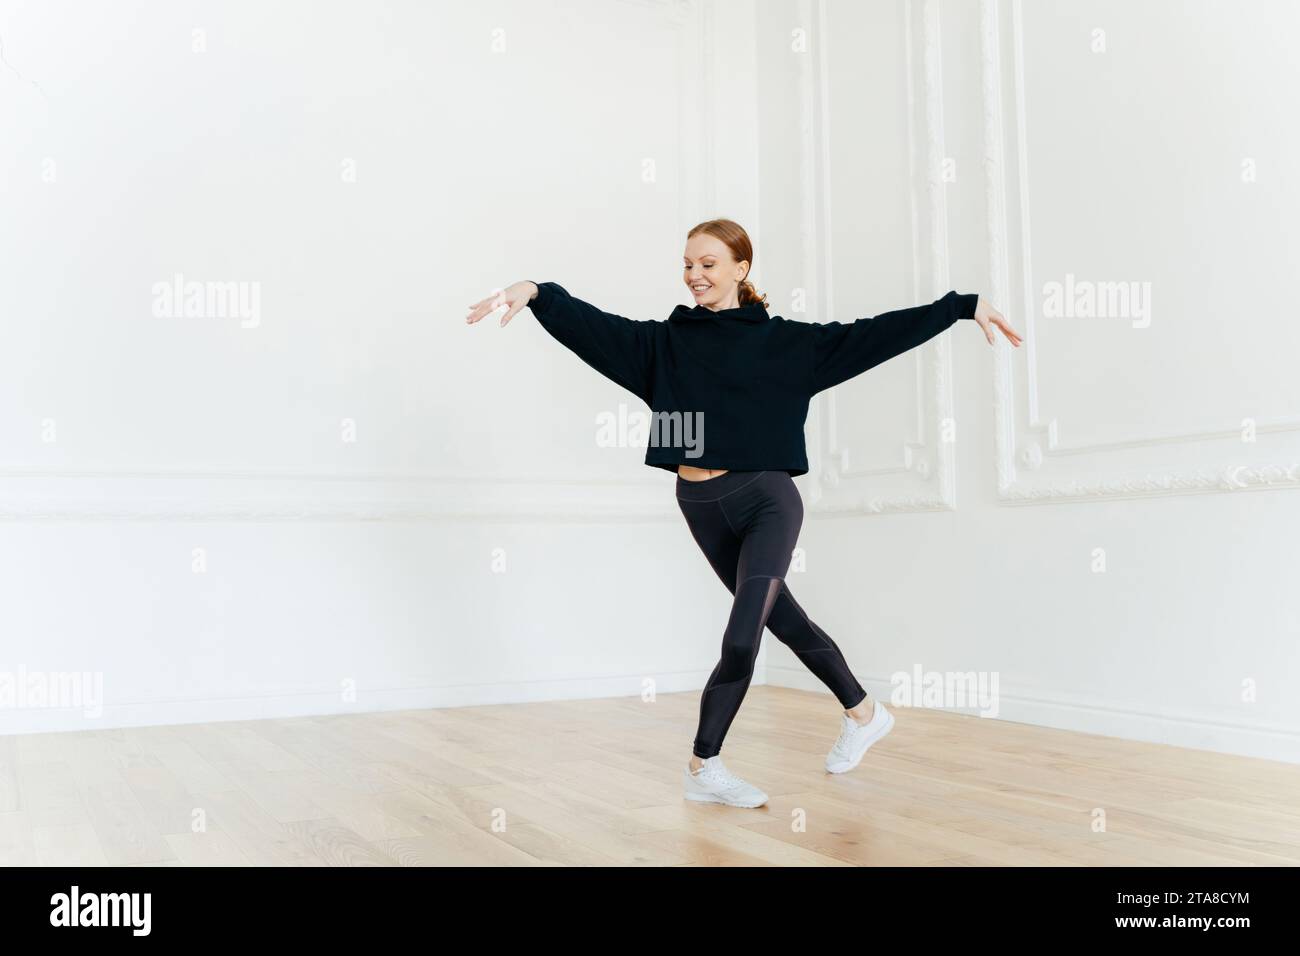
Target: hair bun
{"x":751,"y":296}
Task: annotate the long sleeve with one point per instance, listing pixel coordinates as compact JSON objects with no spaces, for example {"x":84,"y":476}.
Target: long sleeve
{"x":842,"y":350}
{"x":619,"y":348}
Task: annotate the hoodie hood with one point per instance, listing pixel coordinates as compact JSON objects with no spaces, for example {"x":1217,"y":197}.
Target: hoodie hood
{"x":753,"y":312}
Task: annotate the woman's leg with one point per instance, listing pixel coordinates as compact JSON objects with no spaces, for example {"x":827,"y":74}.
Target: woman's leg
{"x":815,"y":649}
{"x":748,"y":534}
{"x":721,"y":547}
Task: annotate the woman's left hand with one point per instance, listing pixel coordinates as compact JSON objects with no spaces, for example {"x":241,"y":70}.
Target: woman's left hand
{"x":988,"y":317}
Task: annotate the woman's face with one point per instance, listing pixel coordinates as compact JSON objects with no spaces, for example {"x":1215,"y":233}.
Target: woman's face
{"x":711,"y":273}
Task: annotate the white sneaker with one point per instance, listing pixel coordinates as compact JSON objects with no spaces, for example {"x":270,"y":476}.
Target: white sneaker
{"x":855,"y":739}
{"x":714,"y":783}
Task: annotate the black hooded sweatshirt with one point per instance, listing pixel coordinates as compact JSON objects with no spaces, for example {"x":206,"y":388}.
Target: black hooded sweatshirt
{"x":730,"y":388}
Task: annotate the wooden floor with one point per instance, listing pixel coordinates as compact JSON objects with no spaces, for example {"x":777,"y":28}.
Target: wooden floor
{"x":599,"y":782}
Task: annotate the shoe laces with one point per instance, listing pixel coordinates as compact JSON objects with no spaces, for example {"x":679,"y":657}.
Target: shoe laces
{"x":720,"y":774}
{"x":848,"y":730}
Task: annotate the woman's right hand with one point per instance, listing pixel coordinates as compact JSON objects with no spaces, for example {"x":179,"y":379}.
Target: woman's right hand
{"x":513,"y":297}
{"x":990,"y":318}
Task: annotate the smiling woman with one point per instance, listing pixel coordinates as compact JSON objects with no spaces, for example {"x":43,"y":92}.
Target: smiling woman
{"x":714,"y":276}
{"x":718,"y":257}
{"x":749,"y":376}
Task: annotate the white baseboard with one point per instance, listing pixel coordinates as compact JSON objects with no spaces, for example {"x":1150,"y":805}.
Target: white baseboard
{"x":1093,"y":716}
{"x":1083,"y":716}
{"x":37,"y":720}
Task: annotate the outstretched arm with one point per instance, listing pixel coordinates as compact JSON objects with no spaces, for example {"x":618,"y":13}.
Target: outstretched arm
{"x":842,"y":350}
{"x":619,"y":348}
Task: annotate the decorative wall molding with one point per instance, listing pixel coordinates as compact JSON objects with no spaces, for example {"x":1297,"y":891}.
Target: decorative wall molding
{"x":1033,"y":464}
{"x":1229,"y":478}
{"x":817,"y":292}
{"x":838,"y":486}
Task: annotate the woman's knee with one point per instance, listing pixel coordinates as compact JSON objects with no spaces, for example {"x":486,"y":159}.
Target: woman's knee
{"x":737,"y":662}
{"x":791,"y":626}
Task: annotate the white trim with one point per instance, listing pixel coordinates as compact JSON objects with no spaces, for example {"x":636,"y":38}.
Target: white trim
{"x":838,"y":487}
{"x":325,"y":701}
{"x":1031,"y":459}
{"x":1094,"y":715}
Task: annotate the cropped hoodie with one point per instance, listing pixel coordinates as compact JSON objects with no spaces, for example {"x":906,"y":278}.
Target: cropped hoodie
{"x":730,"y":388}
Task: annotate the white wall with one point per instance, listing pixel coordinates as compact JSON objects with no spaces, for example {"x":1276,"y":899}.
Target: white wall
{"x":958,"y":494}
{"x":369,"y":169}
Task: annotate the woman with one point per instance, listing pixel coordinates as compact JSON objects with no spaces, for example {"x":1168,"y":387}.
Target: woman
{"x":725,"y":363}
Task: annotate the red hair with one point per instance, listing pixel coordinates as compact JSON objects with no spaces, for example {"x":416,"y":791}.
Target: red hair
{"x":735,"y":238}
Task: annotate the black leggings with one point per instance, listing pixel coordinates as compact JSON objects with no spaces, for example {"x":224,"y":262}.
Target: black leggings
{"x":747,"y":522}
